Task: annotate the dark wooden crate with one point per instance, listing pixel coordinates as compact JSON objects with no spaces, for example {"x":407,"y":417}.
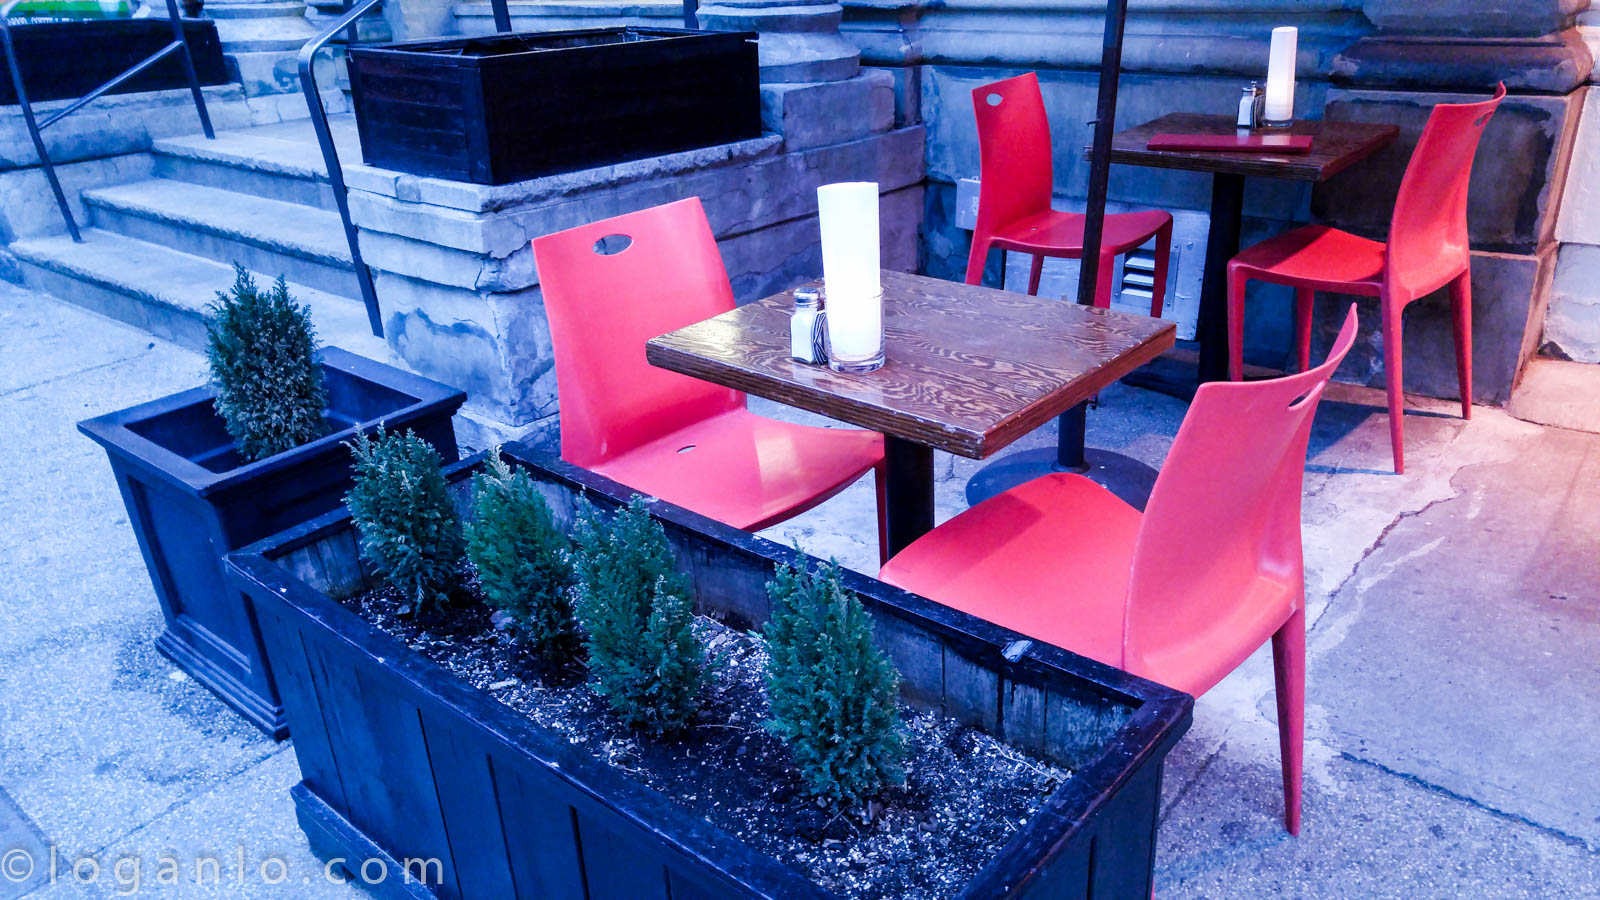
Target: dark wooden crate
{"x":402,"y":760}
{"x":190,"y":499}
{"x":504,"y":108}
{"x":65,"y":60}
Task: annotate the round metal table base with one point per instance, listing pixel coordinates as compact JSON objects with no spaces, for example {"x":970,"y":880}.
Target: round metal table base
{"x":1121,"y":475}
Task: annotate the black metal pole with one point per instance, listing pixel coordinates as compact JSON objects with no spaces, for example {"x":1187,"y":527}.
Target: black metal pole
{"x":1105,"y":124}
{"x":691,"y":14}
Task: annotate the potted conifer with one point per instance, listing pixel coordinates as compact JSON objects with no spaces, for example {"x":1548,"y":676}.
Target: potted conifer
{"x":260,"y":449}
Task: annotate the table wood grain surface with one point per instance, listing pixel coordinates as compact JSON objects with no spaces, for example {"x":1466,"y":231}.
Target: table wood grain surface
{"x":968,"y":369}
{"x":1335,"y":146}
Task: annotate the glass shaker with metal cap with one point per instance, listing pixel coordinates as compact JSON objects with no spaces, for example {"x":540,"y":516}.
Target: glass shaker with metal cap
{"x":807,"y":328}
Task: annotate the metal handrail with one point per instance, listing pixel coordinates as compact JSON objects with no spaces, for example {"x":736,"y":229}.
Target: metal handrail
{"x":330,"y":153}
{"x":179,"y":45}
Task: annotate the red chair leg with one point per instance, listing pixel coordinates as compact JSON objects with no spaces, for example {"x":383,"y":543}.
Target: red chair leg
{"x":1102,"y":286}
{"x":1304,"y":302}
{"x":1289,"y":670}
{"x":977,"y":258}
{"x":1236,"y":282}
{"x":1158,"y":291}
{"x":880,"y":479}
{"x":1034,"y":274}
{"x":1393,"y":374}
{"x":1461,"y":307}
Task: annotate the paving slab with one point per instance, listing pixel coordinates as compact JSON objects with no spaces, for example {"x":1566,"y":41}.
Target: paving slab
{"x":1452,"y":692}
{"x":1367,"y":833}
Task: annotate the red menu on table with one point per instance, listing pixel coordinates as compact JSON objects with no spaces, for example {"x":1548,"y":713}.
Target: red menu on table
{"x":1239,"y":143}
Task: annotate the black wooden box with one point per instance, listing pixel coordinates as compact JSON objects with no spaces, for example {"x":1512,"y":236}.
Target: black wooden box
{"x":65,"y":60}
{"x":190,"y":499}
{"x":508,"y":107}
{"x":424,"y":776}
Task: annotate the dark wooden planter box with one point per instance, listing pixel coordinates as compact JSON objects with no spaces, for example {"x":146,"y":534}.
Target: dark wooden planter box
{"x":403,"y":761}
{"x":65,"y":60}
{"x":190,"y":501}
{"x":508,"y":107}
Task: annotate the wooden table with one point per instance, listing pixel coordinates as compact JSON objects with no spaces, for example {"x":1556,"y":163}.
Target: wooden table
{"x":969,"y":370}
{"x":1335,"y":147}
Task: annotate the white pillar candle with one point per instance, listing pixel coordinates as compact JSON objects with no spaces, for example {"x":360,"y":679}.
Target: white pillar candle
{"x":1280,"y":74}
{"x":848,"y":214}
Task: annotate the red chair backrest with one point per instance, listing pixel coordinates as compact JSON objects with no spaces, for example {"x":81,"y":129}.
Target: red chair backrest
{"x":603,"y":307}
{"x":1224,"y":511}
{"x":1013,"y":152}
{"x":1428,"y":230}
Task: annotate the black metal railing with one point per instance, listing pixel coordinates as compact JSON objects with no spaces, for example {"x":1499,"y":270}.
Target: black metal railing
{"x":330,"y":153}
{"x":179,"y":45}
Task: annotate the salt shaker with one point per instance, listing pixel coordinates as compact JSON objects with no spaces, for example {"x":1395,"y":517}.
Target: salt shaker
{"x":807,"y":328}
{"x":1252,"y":106}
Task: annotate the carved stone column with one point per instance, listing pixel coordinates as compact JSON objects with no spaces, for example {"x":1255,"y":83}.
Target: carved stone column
{"x":800,"y":39}
{"x":262,"y":38}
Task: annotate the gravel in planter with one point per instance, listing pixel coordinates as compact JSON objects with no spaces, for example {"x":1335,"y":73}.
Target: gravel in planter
{"x":964,"y":795}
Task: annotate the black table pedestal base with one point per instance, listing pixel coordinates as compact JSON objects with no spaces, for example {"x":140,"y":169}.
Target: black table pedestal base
{"x":908,"y":495}
{"x":1121,"y":475}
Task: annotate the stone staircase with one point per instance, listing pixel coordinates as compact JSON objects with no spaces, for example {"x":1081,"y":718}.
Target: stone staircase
{"x":156,"y":251}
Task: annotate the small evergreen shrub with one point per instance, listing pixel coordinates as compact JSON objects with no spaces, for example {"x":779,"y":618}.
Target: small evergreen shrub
{"x":833,"y":694}
{"x":522,"y":558}
{"x":644,"y":656}
{"x":261,"y":348}
{"x":409,"y":528}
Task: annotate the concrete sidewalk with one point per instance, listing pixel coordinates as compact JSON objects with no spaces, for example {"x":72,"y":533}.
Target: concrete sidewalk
{"x":1453,"y":691}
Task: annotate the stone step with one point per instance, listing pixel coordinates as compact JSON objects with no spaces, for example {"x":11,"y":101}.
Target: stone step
{"x":166,"y":292}
{"x":279,"y":162}
{"x":1558,"y":392}
{"x":305,"y":245}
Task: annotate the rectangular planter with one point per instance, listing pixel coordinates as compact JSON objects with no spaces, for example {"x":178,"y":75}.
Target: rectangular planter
{"x":65,"y":60}
{"x":509,"y":107}
{"x":403,"y":761}
{"x":190,"y":500}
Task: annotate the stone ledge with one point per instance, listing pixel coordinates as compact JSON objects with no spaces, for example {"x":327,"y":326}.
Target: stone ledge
{"x":477,"y":198}
{"x":767,"y":188}
{"x":1556,"y":63}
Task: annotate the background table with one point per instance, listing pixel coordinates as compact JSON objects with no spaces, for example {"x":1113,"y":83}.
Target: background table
{"x":1335,"y":147}
{"x":968,"y":370}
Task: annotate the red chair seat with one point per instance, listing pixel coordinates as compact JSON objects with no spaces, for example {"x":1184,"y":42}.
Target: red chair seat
{"x":1050,"y":559}
{"x":764,"y":470}
{"x":1014,"y":192}
{"x":1180,"y":594}
{"x":1318,"y":257}
{"x":1055,"y":232}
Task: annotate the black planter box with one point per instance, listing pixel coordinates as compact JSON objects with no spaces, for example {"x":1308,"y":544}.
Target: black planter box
{"x":65,"y":60}
{"x":190,"y":501}
{"x":508,"y":107}
{"x":402,"y":761}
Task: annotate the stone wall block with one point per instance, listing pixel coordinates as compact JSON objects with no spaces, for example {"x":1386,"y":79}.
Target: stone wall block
{"x":1572,"y":324}
{"x":808,"y":114}
{"x":1474,"y":17}
{"x":1517,"y":181}
{"x":1508,"y":294}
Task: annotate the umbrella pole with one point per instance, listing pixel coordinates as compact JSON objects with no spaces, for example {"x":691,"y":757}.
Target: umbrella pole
{"x":1105,"y":125}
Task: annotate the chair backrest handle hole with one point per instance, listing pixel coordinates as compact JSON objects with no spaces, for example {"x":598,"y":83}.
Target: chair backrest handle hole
{"x":612,"y":244}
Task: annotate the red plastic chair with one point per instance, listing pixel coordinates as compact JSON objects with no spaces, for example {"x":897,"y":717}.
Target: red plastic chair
{"x":1427,"y":250}
{"x":1181,"y":594}
{"x":668,"y":435}
{"x":1014,"y":196}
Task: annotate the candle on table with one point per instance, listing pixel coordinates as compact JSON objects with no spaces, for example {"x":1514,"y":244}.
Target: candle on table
{"x":848,"y":215}
{"x":1280,"y":74}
